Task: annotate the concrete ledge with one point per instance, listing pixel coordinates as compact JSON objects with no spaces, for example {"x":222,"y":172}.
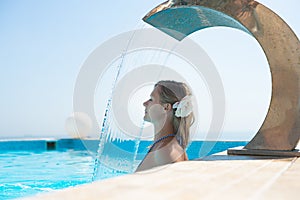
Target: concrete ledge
{"x":256,"y":152}
{"x":231,"y":177}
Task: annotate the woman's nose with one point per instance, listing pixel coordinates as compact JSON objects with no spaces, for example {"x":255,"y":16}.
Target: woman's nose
{"x":145,"y":103}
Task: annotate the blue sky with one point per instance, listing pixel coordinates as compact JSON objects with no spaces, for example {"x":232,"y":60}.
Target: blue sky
{"x":44,"y":44}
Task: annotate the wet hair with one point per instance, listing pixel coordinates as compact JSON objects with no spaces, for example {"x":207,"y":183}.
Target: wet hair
{"x":172,"y":92}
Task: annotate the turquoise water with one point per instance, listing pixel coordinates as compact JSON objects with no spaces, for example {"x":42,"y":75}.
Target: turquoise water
{"x":26,"y":173}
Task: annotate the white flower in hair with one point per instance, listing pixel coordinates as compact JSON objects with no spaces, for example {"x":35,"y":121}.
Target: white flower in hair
{"x":183,"y":107}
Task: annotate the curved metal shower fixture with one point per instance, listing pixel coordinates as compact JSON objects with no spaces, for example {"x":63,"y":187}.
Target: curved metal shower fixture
{"x":280,"y":131}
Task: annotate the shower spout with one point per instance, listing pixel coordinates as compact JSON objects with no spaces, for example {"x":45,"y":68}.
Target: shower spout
{"x":280,"y":132}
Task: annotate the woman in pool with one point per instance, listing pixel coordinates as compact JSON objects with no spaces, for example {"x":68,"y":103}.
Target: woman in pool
{"x":169,"y":109}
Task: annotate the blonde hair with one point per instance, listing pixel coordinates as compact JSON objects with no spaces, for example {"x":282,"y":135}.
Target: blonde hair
{"x":172,"y":92}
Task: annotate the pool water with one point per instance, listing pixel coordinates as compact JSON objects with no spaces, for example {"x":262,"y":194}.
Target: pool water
{"x":26,"y":173}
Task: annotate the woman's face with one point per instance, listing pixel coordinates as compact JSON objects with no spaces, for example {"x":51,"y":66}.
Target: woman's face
{"x":154,"y":111}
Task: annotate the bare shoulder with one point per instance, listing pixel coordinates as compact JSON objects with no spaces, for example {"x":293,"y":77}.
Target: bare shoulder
{"x":170,"y":153}
{"x":167,"y":153}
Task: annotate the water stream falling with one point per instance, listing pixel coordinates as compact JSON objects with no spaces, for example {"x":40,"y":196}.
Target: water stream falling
{"x":102,"y":161}
{"x":136,"y":147}
{"x":119,"y":151}
{"x":115,"y":155}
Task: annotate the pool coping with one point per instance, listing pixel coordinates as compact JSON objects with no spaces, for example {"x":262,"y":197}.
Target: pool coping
{"x":216,"y":176}
{"x":45,"y":144}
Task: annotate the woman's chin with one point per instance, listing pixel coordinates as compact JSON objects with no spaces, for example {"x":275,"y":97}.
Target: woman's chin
{"x":147,"y":119}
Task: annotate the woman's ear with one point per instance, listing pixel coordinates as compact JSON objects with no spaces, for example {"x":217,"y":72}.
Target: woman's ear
{"x":167,"y":106}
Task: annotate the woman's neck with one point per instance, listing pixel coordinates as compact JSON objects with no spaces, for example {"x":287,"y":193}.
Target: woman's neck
{"x":165,"y":130}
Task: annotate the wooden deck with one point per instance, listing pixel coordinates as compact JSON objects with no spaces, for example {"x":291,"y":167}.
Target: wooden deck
{"x":216,"y":177}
